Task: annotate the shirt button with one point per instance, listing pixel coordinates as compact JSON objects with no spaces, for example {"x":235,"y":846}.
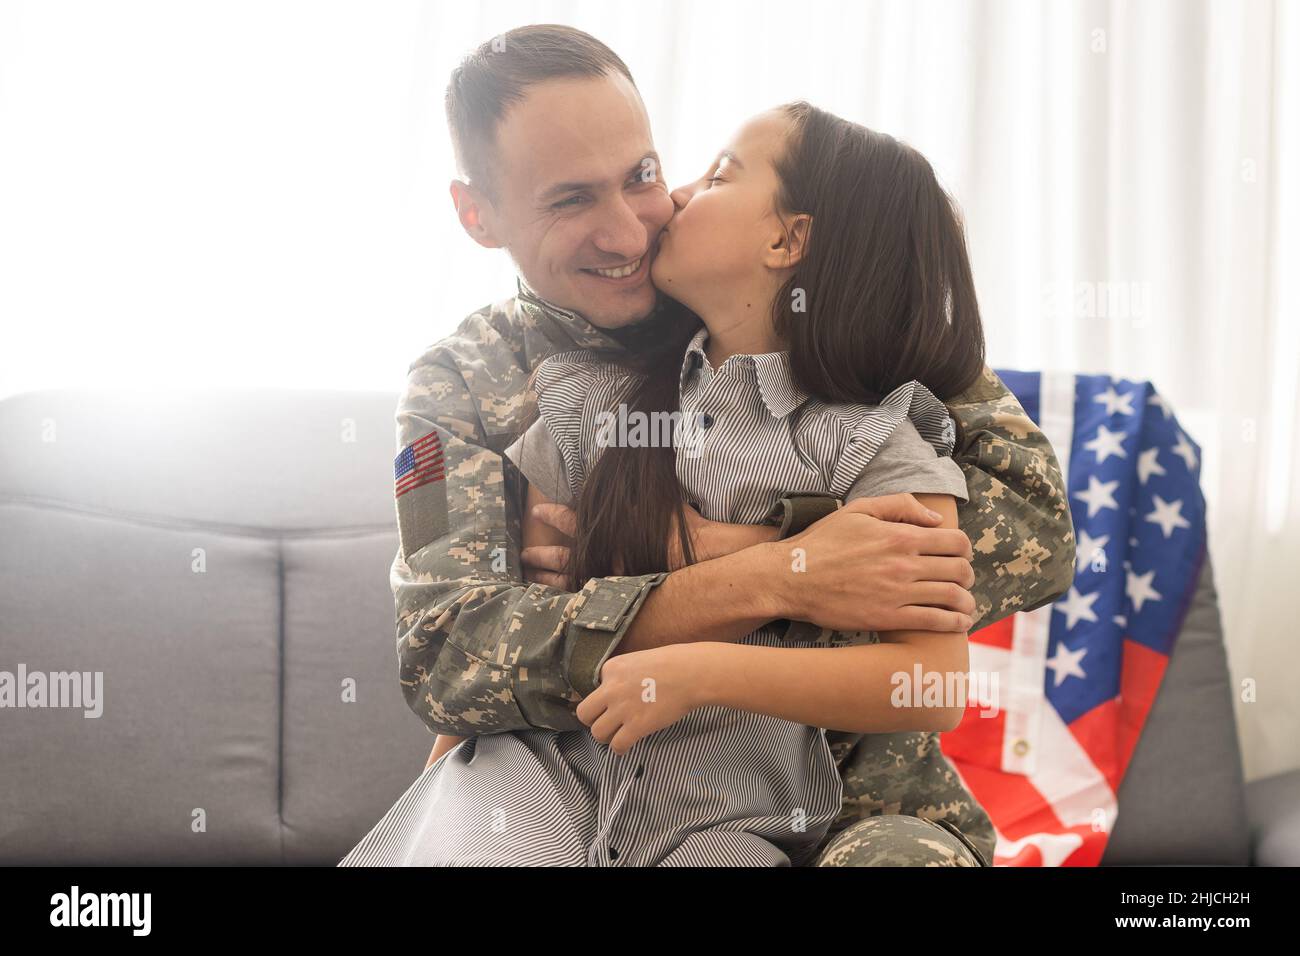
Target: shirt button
{"x":613,"y":853}
{"x":640,"y":770}
{"x":706,"y":420}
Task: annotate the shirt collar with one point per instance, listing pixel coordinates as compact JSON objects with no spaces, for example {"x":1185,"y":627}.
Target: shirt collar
{"x":771,"y":369}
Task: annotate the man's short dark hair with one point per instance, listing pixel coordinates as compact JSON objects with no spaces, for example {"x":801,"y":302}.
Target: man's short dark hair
{"x":498,"y":74}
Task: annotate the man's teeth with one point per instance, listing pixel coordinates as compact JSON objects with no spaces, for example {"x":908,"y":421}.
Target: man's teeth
{"x":621,"y":272}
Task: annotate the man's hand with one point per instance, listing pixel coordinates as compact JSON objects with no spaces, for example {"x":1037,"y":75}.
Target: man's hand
{"x":876,"y":564}
{"x":549,"y":564}
{"x":873,"y":566}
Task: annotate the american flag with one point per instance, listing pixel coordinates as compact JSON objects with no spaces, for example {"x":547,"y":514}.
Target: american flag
{"x":1076,"y":679}
{"x":420,"y":493}
{"x":418,"y":464}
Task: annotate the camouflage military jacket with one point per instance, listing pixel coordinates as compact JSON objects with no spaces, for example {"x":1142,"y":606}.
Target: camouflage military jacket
{"x":481,"y":651}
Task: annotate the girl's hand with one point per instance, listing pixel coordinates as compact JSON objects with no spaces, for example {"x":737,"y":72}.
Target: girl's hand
{"x":644,"y":691}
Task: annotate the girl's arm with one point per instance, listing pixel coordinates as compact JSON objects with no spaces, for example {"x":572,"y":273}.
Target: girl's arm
{"x":868,"y":688}
{"x":713,"y":539}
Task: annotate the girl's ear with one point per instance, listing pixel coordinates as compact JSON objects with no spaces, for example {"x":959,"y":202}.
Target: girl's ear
{"x":789,"y":246}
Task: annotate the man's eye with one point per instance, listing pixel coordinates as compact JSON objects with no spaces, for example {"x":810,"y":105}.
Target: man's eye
{"x":715,"y":178}
{"x":567,"y":203}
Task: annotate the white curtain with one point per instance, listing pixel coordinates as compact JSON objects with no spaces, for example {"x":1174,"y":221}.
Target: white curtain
{"x":254,"y":193}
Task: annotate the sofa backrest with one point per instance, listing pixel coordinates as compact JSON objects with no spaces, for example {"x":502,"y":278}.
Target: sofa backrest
{"x":221,"y":559}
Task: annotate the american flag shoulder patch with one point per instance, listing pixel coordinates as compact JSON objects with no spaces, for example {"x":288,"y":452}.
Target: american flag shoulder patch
{"x":420,"y":489}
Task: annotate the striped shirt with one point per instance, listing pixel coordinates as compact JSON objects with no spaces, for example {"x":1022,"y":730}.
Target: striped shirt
{"x":720,"y":786}
{"x":746,"y":435}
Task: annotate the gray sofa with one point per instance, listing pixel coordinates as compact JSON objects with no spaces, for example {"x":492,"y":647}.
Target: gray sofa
{"x":222,"y":558}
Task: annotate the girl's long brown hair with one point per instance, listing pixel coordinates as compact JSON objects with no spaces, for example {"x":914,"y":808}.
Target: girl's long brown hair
{"x":888,"y":297}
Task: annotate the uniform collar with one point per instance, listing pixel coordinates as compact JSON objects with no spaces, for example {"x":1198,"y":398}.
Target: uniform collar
{"x":771,"y":369}
{"x":569,"y":324}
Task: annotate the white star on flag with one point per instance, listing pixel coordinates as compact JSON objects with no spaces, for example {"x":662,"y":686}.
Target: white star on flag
{"x":1114,"y":402}
{"x":1106,"y":443}
{"x":1065,"y":663}
{"x":1159,"y":402}
{"x":1077,"y":607}
{"x":1099,"y":495}
{"x":1139,"y":589}
{"x":1148,"y":464}
{"x":1168,"y":515}
{"x":1088,"y":549}
{"x":1185,"y":451}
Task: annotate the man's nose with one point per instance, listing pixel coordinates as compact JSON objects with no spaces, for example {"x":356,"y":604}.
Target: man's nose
{"x":622,"y":232}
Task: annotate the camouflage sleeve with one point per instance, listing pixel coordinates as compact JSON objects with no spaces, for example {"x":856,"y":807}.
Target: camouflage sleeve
{"x":479,"y":650}
{"x":1018,"y":518}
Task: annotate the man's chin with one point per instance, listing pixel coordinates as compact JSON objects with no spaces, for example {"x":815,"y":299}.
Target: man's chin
{"x":615,"y":308}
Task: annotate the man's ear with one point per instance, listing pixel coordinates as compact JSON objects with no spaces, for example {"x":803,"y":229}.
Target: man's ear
{"x":790,"y":243}
{"x":475,"y":214}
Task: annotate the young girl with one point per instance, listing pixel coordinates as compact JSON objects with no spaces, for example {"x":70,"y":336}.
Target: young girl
{"x":829,"y":310}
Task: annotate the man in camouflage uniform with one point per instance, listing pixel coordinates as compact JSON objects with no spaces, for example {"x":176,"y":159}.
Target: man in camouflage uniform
{"x":482,"y":651}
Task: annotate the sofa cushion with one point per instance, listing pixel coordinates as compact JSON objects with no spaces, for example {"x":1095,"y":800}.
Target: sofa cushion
{"x":351,"y":745}
{"x":190,"y":691}
{"x":222,"y":558}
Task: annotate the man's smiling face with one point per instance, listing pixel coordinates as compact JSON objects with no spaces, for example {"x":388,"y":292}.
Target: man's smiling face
{"x":579,"y":196}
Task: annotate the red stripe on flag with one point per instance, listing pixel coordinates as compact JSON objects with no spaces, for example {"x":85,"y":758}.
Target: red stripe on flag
{"x":998,"y":634}
{"x":1110,"y":731}
{"x":429,"y":439}
{"x":428,"y":454}
{"x":429,"y":480}
{"x":1018,"y":810}
{"x":417,"y":477}
{"x":420,"y":470}
{"x":976,"y":739}
{"x":1139,"y":682}
{"x":434,"y":459}
{"x":1014,"y":805}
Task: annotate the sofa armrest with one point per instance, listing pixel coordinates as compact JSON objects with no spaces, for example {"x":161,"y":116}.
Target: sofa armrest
{"x":1273,"y":809}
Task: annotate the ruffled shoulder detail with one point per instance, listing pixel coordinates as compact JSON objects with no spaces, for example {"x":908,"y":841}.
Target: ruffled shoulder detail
{"x":868,"y":427}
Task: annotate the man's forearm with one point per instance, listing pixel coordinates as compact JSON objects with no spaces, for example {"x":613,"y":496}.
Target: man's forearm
{"x":492,"y":656}
{"x":723,"y":600}
{"x":1017,"y":515}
